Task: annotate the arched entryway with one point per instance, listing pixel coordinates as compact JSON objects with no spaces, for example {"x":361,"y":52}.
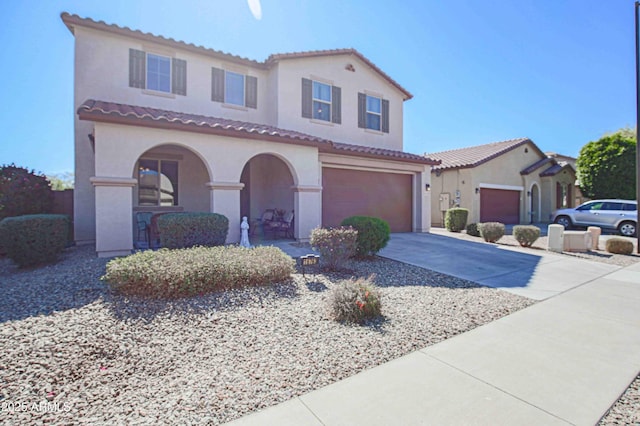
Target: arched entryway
{"x":534,"y":204}
{"x":268,"y":184}
{"x":170,"y":178}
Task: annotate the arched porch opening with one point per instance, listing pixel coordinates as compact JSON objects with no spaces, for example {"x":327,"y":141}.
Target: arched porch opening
{"x":170,"y":178}
{"x":534,"y":204}
{"x":268,"y":184}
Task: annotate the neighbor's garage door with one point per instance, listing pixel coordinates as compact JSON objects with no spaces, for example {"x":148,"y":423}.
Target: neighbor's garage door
{"x":354,"y":192}
{"x":499,"y":205}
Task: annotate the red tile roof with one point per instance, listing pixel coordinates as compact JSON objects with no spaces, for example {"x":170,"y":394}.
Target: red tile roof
{"x":272,"y":59}
{"x":110,"y":112}
{"x":555,"y":169}
{"x":72,"y":20}
{"x":474,"y":156}
{"x":535,"y":166}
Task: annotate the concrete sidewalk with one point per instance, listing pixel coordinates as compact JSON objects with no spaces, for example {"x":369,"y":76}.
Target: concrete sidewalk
{"x":562,"y":361}
{"x":565,"y":360}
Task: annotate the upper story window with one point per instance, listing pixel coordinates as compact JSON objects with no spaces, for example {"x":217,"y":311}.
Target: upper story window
{"x":158,"y":73}
{"x":373,"y":113}
{"x":233,"y":88}
{"x":157,"y":183}
{"x":321,"y":101}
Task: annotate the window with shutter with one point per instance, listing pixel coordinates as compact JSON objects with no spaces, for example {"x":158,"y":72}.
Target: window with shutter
{"x":233,"y":88}
{"x":373,"y":113}
{"x":156,"y":72}
{"x":321,"y":101}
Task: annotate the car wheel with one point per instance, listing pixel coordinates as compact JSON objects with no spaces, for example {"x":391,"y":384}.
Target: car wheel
{"x":564,"y":221}
{"x":628,"y":229}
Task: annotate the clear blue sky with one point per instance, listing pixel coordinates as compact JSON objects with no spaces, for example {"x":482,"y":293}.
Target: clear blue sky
{"x":561,"y":72}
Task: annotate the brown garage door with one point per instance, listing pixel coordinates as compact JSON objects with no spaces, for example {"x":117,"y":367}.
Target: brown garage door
{"x":499,"y":205}
{"x":354,"y":192}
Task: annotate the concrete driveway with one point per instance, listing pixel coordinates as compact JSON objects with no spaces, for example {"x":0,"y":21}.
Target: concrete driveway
{"x":531,"y":273}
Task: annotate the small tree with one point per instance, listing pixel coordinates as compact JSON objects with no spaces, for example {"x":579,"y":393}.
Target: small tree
{"x":23,"y":192}
{"x":606,"y":167}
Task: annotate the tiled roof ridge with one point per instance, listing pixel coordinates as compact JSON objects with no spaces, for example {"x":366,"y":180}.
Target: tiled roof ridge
{"x":115,"y":109}
{"x":343,"y":51}
{"x":71,"y":19}
{"x":508,"y":142}
{"x":194,"y":119}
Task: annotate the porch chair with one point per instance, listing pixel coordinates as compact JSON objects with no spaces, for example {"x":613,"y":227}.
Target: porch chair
{"x":143,"y":222}
{"x":266,"y":218}
{"x":284,"y":226}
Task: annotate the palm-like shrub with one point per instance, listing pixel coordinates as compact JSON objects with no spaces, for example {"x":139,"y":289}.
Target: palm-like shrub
{"x":335,"y":245}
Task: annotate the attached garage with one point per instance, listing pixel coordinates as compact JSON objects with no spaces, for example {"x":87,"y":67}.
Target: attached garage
{"x":347,"y":192}
{"x":499,"y":205}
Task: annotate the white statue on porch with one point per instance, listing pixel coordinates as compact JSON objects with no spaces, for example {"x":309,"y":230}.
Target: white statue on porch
{"x":244,"y":233}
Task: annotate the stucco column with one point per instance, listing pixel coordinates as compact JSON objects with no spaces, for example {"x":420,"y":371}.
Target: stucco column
{"x":225,"y":200}
{"x":114,"y":215}
{"x":308,"y":210}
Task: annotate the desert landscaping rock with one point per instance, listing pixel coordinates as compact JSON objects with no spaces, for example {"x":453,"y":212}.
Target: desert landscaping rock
{"x":75,"y":353}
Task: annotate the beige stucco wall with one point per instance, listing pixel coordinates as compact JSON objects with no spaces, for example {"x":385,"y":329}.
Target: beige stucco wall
{"x":331,"y":70}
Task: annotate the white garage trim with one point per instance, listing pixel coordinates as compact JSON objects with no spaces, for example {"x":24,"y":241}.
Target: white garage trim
{"x":505,"y":187}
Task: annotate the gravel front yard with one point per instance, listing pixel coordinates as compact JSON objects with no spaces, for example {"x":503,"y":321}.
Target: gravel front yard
{"x":74,"y":353}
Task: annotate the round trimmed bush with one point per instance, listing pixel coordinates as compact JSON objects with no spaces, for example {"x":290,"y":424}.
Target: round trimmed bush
{"x":456,"y":219}
{"x":491,"y":231}
{"x":355,"y":300}
{"x":617,"y":245}
{"x":526,"y":235}
{"x":472,"y":229}
{"x":373,"y":234}
{"x":34,"y":239}
{"x":335,"y":245}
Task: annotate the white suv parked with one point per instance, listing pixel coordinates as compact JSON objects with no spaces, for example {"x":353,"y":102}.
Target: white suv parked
{"x":620,"y":215}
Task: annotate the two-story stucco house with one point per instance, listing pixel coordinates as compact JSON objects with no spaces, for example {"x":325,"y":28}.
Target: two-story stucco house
{"x":163,"y":125}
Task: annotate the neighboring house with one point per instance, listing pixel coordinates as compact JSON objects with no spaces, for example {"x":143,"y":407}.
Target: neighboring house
{"x":512,"y":182}
{"x":163,"y":125}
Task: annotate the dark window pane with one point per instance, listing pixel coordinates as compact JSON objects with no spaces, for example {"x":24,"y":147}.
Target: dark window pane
{"x":373,"y":121}
{"x":148,"y":183}
{"x":321,"y":111}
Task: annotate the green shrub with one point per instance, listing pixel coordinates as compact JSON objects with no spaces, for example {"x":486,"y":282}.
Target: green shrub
{"x":355,"y":300}
{"x":373,"y":234}
{"x":491,"y":231}
{"x":472,"y":229}
{"x":456,"y":219}
{"x":33,"y":239}
{"x":335,"y":245}
{"x":618,"y":245}
{"x":197,"y":270}
{"x":526,"y":235}
{"x":182,"y":230}
{"x":23,"y":192}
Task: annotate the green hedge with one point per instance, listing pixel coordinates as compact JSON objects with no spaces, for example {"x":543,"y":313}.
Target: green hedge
{"x":373,"y":234}
{"x":197,"y":270}
{"x":182,"y":230}
{"x":455,"y":219}
{"x":33,"y":239}
{"x":618,"y":245}
{"x":473,"y":230}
